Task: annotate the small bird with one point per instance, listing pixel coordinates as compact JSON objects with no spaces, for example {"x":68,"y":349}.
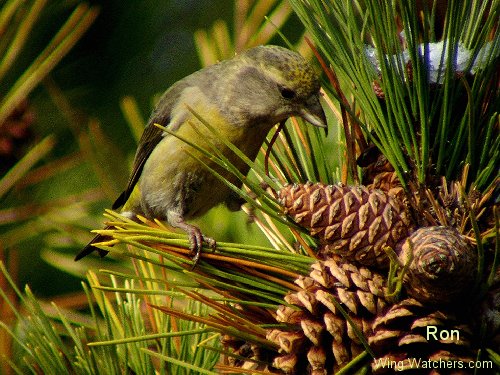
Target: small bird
{"x":242,"y":98}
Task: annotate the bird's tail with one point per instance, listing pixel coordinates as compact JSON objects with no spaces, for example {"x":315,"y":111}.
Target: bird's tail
{"x":90,"y":248}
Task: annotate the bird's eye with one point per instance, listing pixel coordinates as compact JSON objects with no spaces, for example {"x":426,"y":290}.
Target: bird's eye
{"x":287,"y":93}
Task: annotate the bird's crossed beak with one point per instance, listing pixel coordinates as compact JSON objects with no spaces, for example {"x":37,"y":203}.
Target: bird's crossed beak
{"x":313,"y":112}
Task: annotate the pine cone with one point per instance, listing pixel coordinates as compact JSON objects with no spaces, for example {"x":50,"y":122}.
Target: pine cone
{"x":354,"y":222}
{"x":388,"y":181}
{"x":318,"y":338}
{"x":409,"y":333}
{"x":377,"y":89}
{"x":15,"y":132}
{"x":443,"y":265}
{"x":376,"y":84}
{"x":245,"y":355}
{"x":378,"y":173}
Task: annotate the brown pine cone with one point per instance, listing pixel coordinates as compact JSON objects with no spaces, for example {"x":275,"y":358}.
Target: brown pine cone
{"x":15,"y":133}
{"x":354,"y":222}
{"x":378,"y":173}
{"x":409,"y":336}
{"x":443,"y":265}
{"x":318,"y":339}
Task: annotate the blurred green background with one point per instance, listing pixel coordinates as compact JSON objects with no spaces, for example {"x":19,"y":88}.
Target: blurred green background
{"x":134,"y":49}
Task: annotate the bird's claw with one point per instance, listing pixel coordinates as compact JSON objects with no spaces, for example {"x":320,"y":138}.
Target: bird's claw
{"x":196,"y":238}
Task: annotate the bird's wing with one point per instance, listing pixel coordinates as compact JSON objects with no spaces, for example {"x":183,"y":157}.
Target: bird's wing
{"x":151,"y":136}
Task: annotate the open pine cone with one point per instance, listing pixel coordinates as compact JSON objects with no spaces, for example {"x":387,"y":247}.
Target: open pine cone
{"x":409,"y":334}
{"x":318,"y":338}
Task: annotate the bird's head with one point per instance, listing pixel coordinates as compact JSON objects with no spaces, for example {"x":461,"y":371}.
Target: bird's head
{"x":273,"y":83}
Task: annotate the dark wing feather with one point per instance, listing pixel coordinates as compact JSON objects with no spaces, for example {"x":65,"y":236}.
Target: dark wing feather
{"x":89,"y":249}
{"x":151,"y":136}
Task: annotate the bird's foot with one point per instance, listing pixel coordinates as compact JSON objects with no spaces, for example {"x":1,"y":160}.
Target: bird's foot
{"x":196,"y":238}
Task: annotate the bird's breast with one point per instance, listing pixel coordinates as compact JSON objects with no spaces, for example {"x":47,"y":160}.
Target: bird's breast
{"x":177,"y":175}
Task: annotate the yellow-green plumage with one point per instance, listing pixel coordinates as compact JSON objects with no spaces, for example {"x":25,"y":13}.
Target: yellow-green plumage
{"x":242,"y":98}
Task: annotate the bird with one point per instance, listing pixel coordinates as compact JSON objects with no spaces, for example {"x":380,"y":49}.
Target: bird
{"x":242,"y":98}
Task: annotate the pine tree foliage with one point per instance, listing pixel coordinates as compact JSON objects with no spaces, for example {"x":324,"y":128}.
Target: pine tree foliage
{"x":361,"y":248}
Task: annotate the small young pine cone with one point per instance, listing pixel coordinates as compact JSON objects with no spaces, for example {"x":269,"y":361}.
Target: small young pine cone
{"x":443,"y":265}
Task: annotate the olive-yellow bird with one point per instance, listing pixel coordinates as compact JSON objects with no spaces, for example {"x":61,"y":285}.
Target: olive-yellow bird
{"x":242,"y":98}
